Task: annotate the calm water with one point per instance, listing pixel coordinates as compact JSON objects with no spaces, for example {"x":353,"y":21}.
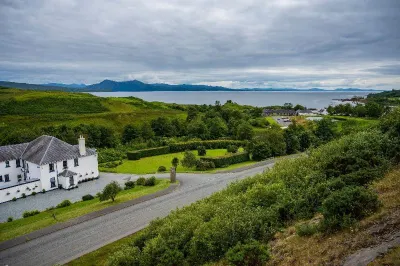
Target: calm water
{"x":306,"y":98}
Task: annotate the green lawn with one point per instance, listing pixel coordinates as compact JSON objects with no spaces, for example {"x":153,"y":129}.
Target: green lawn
{"x":149,"y":165}
{"x":271,"y":120}
{"x":44,"y":219}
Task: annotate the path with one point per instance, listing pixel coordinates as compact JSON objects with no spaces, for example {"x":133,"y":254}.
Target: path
{"x":75,"y":241}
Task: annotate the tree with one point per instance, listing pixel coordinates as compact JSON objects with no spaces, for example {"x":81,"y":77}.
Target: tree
{"x":175,"y":162}
{"x":325,"y":130}
{"x":288,"y":106}
{"x":217,"y":127}
{"x":373,"y":109}
{"x":260,"y":151}
{"x":130,"y":133}
{"x":197,"y":129}
{"x":201,"y":151}
{"x":162,"y":127}
{"x":146,"y":131}
{"x":192,"y":113}
{"x":110,"y":191}
{"x":189,"y":159}
{"x":245,"y":132}
{"x":299,"y":107}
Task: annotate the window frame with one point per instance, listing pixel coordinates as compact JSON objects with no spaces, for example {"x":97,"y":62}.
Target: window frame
{"x":7,"y":164}
{"x":65,"y":164}
{"x":52,"y":181}
{"x":18,"y":163}
{"x":1,"y":178}
{"x":6,"y":178}
{"x":51,"y":167}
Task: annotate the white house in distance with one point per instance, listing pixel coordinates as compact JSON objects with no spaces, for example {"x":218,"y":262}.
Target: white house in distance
{"x":45,"y":163}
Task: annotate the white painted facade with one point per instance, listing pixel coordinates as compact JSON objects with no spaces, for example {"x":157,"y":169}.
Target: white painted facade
{"x":27,"y":177}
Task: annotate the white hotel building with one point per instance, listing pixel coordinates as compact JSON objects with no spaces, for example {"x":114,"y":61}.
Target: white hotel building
{"x":45,"y":163}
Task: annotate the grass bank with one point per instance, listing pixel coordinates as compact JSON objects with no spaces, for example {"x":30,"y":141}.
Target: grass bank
{"x":9,"y":230}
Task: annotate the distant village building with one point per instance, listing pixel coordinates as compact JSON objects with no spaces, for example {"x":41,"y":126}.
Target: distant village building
{"x":279,"y":112}
{"x":45,"y":163}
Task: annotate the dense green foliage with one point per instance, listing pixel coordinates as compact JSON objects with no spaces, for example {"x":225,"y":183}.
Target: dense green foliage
{"x":229,"y":159}
{"x":210,"y":144}
{"x":370,"y":109}
{"x":328,"y":180}
{"x":252,"y":253}
{"x":136,"y":155}
{"x":87,"y":197}
{"x":189,"y":159}
{"x":27,"y":214}
{"x":129,"y":185}
{"x":110,"y":191}
{"x":63,"y":204}
{"x":141,"y":181}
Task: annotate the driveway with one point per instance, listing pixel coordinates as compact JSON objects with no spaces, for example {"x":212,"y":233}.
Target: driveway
{"x":41,"y":201}
{"x":75,"y":241}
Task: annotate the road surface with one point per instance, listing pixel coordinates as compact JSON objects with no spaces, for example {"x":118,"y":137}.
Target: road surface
{"x":72,"y":242}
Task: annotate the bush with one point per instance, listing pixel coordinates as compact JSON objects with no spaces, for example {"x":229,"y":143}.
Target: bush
{"x":261,"y":151}
{"x":226,"y":160}
{"x":33,"y":193}
{"x":43,"y":191}
{"x":342,"y":208}
{"x":204,"y":165}
{"x":64,"y":203}
{"x":110,"y":164}
{"x":201,"y":151}
{"x":161,"y":169}
{"x":14,"y":199}
{"x":30,"y":213}
{"x":251,"y":253}
{"x":136,"y":155}
{"x":209,"y":144}
{"x":110,"y":155}
{"x":87,"y":197}
{"x":129,"y":185}
{"x":189,"y":159}
{"x":232,"y":148}
{"x":306,"y":229}
{"x":125,"y":256}
{"x":151,"y":181}
{"x":110,"y":191}
{"x":175,"y":162}
{"x":10,"y":219}
{"x":23,"y":195}
{"x":140,"y":181}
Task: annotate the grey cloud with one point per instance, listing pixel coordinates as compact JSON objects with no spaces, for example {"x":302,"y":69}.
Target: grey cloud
{"x":200,"y":41}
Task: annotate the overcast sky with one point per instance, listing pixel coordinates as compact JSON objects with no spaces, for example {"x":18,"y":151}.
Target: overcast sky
{"x":241,"y":43}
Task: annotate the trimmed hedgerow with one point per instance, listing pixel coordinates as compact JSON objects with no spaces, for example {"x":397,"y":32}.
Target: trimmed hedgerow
{"x":136,"y":155}
{"x":209,"y":144}
{"x":226,"y":160}
{"x":27,"y":214}
{"x":87,"y":197}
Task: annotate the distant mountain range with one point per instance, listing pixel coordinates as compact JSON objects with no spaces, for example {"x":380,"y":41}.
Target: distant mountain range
{"x":138,"y":86}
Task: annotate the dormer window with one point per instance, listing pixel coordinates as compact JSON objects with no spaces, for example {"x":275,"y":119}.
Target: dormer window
{"x":7,"y":163}
{"x":65,"y":164}
{"x":18,"y":163}
{"x":51,"y":167}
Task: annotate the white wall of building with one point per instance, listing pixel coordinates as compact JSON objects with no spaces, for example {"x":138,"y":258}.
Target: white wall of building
{"x":7,"y":194}
{"x":12,"y":171}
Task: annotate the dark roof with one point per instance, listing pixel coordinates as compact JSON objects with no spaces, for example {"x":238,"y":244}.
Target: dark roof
{"x":279,"y":111}
{"x":43,"y":150}
{"x":12,"y":152}
{"x":67,"y":173}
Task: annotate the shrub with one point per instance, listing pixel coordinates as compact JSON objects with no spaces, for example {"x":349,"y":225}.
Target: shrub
{"x":189,"y":159}
{"x":23,"y":195}
{"x":345,"y":206}
{"x":110,"y":155}
{"x":129,"y":185}
{"x":140,"y":181}
{"x":64,"y":203}
{"x":306,"y":229}
{"x":14,"y":199}
{"x":226,"y":160}
{"x":204,"y":165}
{"x":232,"y":148}
{"x":248,"y":254}
{"x":161,"y":169}
{"x":110,"y":191}
{"x":43,"y":191}
{"x":30,"y":213}
{"x":87,"y":197}
{"x":201,"y":151}
{"x":33,"y":193}
{"x":175,"y":162}
{"x":125,"y":256}
{"x":151,"y":181}
{"x":209,"y":144}
{"x":10,"y":219}
{"x":261,"y":151}
{"x":110,"y":164}
{"x":136,"y":155}
{"x":50,"y":208}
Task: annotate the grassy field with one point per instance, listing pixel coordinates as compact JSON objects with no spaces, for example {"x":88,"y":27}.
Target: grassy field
{"x":44,"y":219}
{"x":149,"y":165}
{"x":291,"y":249}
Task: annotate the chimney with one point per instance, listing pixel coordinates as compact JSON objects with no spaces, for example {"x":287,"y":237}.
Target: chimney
{"x":82,"y":148}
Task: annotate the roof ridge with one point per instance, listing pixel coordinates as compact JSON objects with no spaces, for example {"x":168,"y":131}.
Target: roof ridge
{"x":44,"y":155}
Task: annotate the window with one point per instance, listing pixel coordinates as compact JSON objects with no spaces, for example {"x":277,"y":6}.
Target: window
{"x":7,"y":163}
{"x":18,"y":163}
{"x":1,"y":178}
{"x":76,"y":162}
{"x":65,"y":164}
{"x":53,"y":182}
{"x":6,"y":178}
{"x":27,"y":167}
{"x":19,"y":178}
{"x":51,"y":167}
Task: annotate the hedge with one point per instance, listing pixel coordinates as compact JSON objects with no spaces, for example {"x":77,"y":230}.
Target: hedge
{"x":136,"y":155}
{"x":226,"y":160}
{"x":183,"y":146}
{"x":208,"y":144}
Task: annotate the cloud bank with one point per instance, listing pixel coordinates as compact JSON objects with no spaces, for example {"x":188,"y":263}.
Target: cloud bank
{"x":237,"y":44}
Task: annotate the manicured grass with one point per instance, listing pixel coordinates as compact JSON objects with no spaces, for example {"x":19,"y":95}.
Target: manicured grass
{"x":44,"y":219}
{"x":271,"y":120}
{"x":149,"y":165}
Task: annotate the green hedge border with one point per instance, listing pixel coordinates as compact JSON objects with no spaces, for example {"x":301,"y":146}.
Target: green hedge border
{"x":226,"y":160}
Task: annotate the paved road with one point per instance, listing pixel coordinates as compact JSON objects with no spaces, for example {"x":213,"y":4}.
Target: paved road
{"x":73,"y":242}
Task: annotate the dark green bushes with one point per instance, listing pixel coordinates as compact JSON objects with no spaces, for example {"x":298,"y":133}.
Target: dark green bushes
{"x":232,"y":148}
{"x":209,"y":144}
{"x":27,"y":214}
{"x":136,"y":155}
{"x":151,"y":181}
{"x":64,"y":204}
{"x":252,"y":253}
{"x":129,"y":185}
{"x":201,"y":151}
{"x":87,"y":197}
{"x":226,"y":160}
{"x":140,"y":181}
{"x":204,"y":165}
{"x":161,"y":169}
